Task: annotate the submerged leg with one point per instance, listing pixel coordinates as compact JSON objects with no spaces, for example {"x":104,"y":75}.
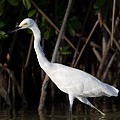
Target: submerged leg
{"x":85,"y":100}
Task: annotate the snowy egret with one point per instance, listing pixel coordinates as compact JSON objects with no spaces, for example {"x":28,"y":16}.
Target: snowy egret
{"x":76,"y":83}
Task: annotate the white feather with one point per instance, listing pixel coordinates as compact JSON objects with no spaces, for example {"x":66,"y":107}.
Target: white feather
{"x":74,"y":82}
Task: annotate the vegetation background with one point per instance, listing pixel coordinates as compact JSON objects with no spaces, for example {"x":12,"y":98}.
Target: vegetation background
{"x":91,"y":42}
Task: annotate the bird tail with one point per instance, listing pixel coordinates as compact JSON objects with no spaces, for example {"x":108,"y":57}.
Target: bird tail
{"x":111,"y":91}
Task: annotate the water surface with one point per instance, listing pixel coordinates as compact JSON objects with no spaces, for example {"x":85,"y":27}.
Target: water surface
{"x":60,"y":112}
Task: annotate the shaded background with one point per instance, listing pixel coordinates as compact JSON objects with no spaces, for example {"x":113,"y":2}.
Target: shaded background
{"x":21,"y":76}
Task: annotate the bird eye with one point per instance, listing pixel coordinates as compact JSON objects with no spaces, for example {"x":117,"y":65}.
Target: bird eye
{"x":24,"y":24}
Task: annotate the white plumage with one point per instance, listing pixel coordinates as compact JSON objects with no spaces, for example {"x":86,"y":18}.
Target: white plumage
{"x":76,"y":83}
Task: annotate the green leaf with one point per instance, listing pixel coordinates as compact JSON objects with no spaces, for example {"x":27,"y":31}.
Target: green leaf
{"x":74,"y":23}
{"x":71,"y":31}
{"x":27,"y":4}
{"x":65,"y":48}
{"x":46,"y":35}
{"x":96,"y":11}
{"x":74,"y":18}
{"x":14,"y":2}
{"x":32,"y":13}
{"x":42,"y":2}
{"x":28,"y":31}
{"x":118,"y":3}
{"x":1,"y":7}
{"x":66,"y":52}
{"x":43,"y":21}
{"x":2,"y":35}
{"x":2,"y":24}
{"x":98,"y":4}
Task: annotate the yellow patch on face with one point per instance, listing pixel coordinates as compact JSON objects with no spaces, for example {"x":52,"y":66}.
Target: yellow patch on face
{"x":23,"y":25}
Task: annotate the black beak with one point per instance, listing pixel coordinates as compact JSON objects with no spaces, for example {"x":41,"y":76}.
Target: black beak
{"x":14,"y":30}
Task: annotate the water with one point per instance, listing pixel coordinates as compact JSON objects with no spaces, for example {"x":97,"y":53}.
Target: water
{"x":32,"y":115}
{"x":60,"y":112}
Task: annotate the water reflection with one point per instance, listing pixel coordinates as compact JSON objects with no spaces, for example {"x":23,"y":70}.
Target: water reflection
{"x":60,"y":112}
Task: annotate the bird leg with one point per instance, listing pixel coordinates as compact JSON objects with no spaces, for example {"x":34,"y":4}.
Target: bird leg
{"x":70,"y":110}
{"x":98,"y":110}
{"x":85,"y":100}
{"x":71,"y":99}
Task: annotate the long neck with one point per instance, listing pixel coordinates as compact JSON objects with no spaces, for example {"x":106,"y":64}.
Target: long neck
{"x":43,"y":62}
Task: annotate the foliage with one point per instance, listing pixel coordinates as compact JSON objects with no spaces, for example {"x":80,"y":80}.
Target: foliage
{"x":65,"y":50}
{"x":73,"y":25}
{"x":27,"y":4}
{"x":118,"y":3}
{"x":32,"y":13}
{"x":46,"y":29}
{"x":2,"y":33}
{"x":1,"y":7}
{"x":82,"y":16}
{"x":14,"y":2}
{"x":98,"y":5}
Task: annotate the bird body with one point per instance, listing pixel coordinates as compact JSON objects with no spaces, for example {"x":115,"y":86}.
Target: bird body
{"x":76,"y":83}
{"x":79,"y":83}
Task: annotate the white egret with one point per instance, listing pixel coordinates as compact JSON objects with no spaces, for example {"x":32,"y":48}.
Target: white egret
{"x":76,"y":83}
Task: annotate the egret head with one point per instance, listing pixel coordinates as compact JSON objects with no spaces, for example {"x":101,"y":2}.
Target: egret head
{"x":26,"y":23}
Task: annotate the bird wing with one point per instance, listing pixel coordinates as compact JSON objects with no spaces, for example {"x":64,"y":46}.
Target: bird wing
{"x":78,"y":83}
